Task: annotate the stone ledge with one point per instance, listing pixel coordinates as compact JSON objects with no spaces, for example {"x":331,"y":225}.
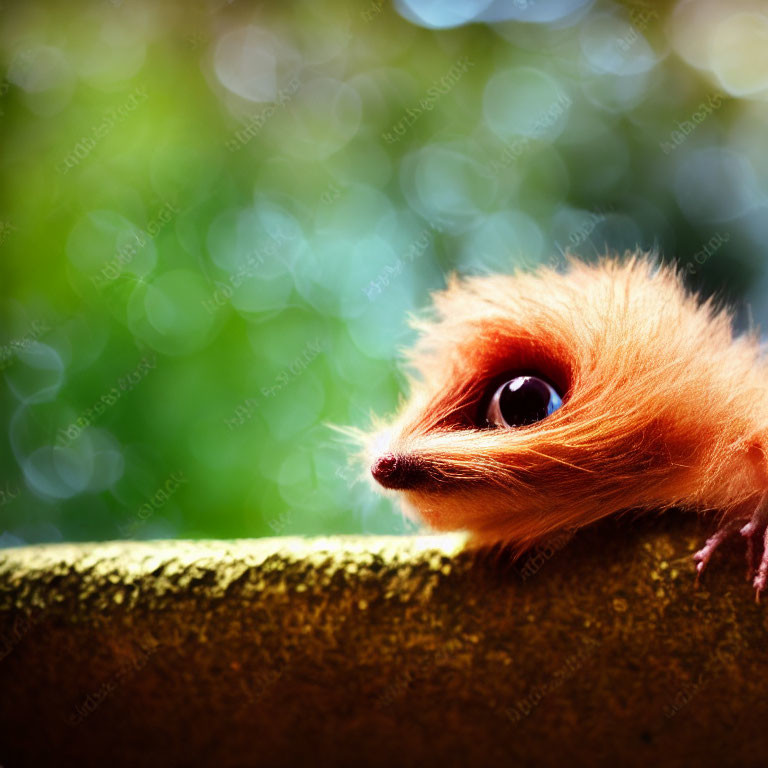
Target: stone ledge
{"x":382,"y":651}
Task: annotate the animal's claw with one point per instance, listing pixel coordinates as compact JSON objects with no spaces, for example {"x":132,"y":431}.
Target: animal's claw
{"x":756,"y":527}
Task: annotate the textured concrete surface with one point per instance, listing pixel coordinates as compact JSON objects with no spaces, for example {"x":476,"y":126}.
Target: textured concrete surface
{"x":383,"y":651}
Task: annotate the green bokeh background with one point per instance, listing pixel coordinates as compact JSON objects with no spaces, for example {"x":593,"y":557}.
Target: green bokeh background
{"x":216,"y":219}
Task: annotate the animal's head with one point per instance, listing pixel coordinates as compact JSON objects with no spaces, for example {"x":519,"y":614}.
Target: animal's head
{"x":547,"y":400}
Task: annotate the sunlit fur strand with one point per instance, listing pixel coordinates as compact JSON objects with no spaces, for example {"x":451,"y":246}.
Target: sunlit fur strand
{"x":663,"y":406}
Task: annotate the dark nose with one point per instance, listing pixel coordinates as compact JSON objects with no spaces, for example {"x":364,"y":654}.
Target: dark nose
{"x":398,"y":472}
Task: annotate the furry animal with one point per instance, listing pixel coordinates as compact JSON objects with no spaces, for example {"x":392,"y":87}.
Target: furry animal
{"x":542,"y":402}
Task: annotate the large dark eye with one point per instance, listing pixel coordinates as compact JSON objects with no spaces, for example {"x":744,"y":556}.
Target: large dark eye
{"x":522,"y":400}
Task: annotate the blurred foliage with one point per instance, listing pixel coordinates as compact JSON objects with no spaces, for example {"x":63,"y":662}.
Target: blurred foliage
{"x":215,"y":219}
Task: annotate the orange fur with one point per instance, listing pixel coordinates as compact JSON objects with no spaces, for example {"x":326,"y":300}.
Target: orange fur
{"x":663,"y":405}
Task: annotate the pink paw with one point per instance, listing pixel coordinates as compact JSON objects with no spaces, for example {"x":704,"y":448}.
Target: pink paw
{"x":756,"y":530}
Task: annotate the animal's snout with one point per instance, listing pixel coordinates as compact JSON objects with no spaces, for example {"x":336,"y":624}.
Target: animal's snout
{"x":398,"y":472}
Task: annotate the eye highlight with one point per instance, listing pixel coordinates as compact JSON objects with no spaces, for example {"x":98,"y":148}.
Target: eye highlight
{"x":522,"y":400}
